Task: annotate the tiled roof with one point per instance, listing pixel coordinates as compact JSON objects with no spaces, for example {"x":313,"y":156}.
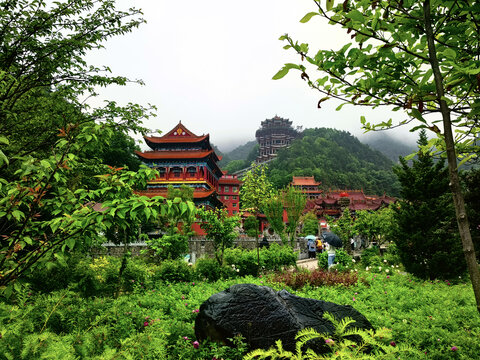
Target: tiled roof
{"x":304,"y":180}
{"x":157,"y":155}
{"x":178,"y":139}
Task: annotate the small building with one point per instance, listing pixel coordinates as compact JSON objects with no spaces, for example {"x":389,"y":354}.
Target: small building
{"x":308,"y":186}
{"x":274,"y":134}
{"x":229,"y":193}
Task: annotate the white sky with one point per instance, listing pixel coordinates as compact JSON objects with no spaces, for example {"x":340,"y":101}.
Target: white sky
{"x":210,"y":64}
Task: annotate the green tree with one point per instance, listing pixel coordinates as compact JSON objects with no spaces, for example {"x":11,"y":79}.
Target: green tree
{"x":294,"y":202}
{"x":250,"y":225}
{"x":374,"y":226}
{"x":175,"y":225}
{"x":42,"y":218}
{"x":255,"y":191}
{"x":45,"y":75}
{"x":273,"y":210}
{"x":419,"y":56}
{"x":426,"y":236}
{"x":47,"y":132}
{"x":343,"y":227}
{"x":310,"y":224}
{"x":220,"y":228}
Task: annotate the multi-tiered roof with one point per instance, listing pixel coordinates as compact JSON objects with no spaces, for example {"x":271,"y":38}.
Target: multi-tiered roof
{"x":183,"y":158}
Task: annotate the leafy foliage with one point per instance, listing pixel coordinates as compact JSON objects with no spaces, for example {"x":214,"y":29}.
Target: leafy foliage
{"x":415,"y":56}
{"x":294,"y":202}
{"x":274,"y":258}
{"x":343,"y":261}
{"x":431,"y":316}
{"x":426,"y":233}
{"x":373,"y":344}
{"x":375,"y":226}
{"x":220,"y":228}
{"x":250,"y":225}
{"x":273,"y":210}
{"x":310,"y":224}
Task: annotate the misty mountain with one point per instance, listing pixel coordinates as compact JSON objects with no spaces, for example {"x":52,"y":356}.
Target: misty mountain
{"x":388,"y":145}
{"x":338,"y":160}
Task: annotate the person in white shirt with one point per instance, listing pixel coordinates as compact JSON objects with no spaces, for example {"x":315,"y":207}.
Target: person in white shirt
{"x":331,"y":253}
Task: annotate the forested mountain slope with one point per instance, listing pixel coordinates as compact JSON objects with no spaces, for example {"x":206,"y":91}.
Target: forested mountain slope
{"x":337,"y":159}
{"x":240,"y":157}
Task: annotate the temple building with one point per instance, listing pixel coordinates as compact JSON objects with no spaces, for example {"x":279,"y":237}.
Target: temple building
{"x":333,"y":202}
{"x":183,"y":158}
{"x":274,"y":134}
{"x":308,"y":186}
{"x":229,"y":193}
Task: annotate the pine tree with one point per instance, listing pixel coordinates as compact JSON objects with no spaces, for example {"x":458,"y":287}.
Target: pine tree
{"x":426,"y":233}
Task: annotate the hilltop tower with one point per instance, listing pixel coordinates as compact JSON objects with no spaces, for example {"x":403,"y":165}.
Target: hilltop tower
{"x":274,"y":134}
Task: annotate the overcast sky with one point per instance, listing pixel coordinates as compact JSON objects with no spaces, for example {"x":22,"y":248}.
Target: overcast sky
{"x":210,"y":64}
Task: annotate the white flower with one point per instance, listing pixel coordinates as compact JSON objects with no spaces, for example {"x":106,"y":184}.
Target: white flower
{"x":367,"y":268}
{"x":379,"y":268}
{"x":353,"y":260}
{"x":387,"y":270}
{"x":392,"y":266}
{"x":384,"y":260}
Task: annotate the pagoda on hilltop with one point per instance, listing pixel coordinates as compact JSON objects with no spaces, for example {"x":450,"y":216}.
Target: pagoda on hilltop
{"x":274,"y":134}
{"x":183,"y":158}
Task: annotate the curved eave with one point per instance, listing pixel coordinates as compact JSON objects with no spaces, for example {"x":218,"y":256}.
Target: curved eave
{"x":172,"y":155}
{"x":175,"y":140}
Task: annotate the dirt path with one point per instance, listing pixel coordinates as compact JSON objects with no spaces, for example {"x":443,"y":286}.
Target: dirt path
{"x":310,"y":264}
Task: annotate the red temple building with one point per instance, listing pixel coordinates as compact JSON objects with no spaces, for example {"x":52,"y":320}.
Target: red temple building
{"x":229,"y":193}
{"x":183,"y":158}
{"x":308,"y":186}
{"x":333,"y":202}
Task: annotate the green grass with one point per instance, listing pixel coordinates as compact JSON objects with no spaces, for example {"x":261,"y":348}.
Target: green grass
{"x":155,"y":318}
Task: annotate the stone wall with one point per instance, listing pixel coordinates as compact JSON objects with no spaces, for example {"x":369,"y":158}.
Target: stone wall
{"x":198,"y":247}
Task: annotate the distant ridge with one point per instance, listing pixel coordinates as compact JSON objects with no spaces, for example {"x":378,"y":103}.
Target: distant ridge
{"x":335,"y":158}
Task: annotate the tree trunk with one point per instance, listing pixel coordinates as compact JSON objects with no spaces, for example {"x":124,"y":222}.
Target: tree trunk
{"x":461,"y":215}
{"x":258,"y":246}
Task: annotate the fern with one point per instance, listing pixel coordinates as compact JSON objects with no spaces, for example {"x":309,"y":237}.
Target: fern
{"x":374,"y":344}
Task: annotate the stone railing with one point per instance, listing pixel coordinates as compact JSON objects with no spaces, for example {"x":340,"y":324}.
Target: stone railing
{"x":200,"y":247}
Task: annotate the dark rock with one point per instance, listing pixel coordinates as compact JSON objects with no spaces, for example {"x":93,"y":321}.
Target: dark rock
{"x":262,"y":316}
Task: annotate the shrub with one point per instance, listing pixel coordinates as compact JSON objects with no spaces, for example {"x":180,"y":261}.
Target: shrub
{"x":274,"y":258}
{"x":343,"y":261}
{"x":243,"y":260}
{"x":298,"y":279}
{"x":169,"y":246}
{"x":371,"y":256}
{"x":209,"y":269}
{"x":175,"y":270}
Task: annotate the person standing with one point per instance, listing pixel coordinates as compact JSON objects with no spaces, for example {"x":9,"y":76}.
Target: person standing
{"x":312,"y":246}
{"x":331,"y":254}
{"x":319,"y":245}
